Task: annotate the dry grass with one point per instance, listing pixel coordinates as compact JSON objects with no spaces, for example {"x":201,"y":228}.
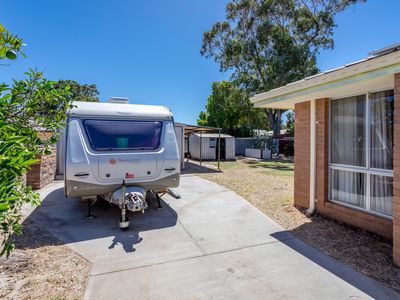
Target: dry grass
{"x":268,"y":185}
{"x":42,"y":268}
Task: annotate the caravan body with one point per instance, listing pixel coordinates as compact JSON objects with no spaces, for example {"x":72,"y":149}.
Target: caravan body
{"x":109,"y":145}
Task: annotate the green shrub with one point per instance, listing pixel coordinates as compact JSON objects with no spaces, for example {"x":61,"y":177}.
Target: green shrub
{"x":261,"y":142}
{"x":288,"y":149}
{"x":28,"y":107}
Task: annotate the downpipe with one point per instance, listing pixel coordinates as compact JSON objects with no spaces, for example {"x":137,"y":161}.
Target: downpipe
{"x":311,"y":210}
{"x":313,"y":164}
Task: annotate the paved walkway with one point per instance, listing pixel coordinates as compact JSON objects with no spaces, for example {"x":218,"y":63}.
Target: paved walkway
{"x":211,"y":243}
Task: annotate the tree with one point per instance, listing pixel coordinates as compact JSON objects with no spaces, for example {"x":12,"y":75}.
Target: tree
{"x":230,"y":109}
{"x":202,"y":120}
{"x":290,"y":122}
{"x":10,"y":45}
{"x":79,"y":92}
{"x":269,"y":43}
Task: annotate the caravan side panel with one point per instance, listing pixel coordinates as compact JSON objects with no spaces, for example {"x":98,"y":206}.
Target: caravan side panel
{"x":180,"y":139}
{"x":60,"y":159}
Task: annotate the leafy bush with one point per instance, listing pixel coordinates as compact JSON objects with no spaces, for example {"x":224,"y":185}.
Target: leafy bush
{"x":290,"y":123}
{"x":260,"y":143}
{"x":288,"y":149}
{"x":30,"y":106}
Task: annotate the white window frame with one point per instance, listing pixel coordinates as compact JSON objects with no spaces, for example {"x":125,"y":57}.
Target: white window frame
{"x":366,"y":169}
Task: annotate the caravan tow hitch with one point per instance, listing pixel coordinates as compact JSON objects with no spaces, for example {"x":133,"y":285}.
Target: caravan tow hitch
{"x":132,"y":198}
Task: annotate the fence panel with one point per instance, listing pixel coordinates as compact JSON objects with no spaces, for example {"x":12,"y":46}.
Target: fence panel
{"x":241,"y":144}
{"x":278,"y":144}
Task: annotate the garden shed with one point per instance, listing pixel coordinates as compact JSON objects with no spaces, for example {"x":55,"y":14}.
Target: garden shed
{"x":204,"y":145}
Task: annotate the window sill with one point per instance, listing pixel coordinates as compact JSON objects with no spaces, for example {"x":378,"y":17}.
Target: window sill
{"x":361,"y":210}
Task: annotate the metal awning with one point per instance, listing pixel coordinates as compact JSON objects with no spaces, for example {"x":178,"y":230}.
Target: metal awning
{"x":189,"y":129}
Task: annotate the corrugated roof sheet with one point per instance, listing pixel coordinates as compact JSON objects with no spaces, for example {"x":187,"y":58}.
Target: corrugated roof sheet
{"x":213,"y":135}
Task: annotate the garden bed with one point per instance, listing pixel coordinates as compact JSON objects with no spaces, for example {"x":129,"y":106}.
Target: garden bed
{"x":42,"y":267}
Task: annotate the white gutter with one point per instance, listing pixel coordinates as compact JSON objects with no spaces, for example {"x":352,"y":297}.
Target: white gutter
{"x":313,"y":160}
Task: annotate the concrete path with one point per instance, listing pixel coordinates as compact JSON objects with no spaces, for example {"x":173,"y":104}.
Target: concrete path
{"x":210,"y":244}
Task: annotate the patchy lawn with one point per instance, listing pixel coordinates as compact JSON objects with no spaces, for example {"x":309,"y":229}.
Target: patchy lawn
{"x":42,"y":268}
{"x":268,"y":185}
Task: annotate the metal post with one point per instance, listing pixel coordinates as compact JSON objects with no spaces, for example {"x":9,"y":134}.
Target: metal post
{"x":123,"y":223}
{"x":201,"y":144}
{"x":219,"y":147}
{"x":188,"y":151}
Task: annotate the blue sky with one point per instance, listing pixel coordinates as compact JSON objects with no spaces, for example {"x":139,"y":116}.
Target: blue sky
{"x":148,"y":50}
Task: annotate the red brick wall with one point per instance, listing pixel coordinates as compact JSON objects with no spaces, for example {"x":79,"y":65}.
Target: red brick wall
{"x":322,"y":144}
{"x":43,"y":172}
{"x":302,"y":154}
{"x":396,"y":171}
{"x":341,"y":213}
{"x":344,"y":214}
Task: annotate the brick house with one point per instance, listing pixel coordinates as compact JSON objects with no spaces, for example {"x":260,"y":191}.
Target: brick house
{"x":347,"y":142}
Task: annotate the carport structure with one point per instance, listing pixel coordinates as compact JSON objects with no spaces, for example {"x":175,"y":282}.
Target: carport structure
{"x":183,"y":132}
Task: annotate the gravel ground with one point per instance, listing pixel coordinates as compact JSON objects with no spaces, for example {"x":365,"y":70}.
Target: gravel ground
{"x":42,"y":268}
{"x":268,"y":185}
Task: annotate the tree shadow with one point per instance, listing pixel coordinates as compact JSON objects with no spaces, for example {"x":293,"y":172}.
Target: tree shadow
{"x":278,"y":165}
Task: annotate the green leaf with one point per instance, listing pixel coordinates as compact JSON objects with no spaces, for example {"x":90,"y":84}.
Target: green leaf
{"x":11,"y":54}
{"x":4,"y":207}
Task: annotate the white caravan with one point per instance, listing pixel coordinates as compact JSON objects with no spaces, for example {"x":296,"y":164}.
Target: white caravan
{"x":114,"y":149}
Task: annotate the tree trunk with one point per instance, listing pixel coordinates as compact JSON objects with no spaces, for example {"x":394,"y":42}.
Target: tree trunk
{"x":274,"y":117}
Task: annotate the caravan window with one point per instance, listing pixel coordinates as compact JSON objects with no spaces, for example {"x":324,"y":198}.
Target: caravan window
{"x":123,"y":135}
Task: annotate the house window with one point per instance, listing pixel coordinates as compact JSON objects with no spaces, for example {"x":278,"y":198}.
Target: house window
{"x":361,"y":152}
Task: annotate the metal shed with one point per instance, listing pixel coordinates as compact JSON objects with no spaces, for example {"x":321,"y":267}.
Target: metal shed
{"x":207,"y":145}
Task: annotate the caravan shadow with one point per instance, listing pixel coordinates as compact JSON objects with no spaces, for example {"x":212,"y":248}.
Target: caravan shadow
{"x":65,"y":218}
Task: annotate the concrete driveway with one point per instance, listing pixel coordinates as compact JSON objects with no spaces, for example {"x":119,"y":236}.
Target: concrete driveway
{"x":210,"y":244}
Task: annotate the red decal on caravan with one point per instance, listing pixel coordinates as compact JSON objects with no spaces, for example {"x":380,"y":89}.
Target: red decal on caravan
{"x":129,"y":175}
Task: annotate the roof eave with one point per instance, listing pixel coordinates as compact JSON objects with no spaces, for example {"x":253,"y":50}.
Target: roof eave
{"x":353,"y":73}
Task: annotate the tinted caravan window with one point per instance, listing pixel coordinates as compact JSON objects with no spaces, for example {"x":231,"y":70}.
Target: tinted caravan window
{"x":123,"y":135}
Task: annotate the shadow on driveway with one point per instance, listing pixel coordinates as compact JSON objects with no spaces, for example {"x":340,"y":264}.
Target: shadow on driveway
{"x":65,"y":219}
{"x":193,"y":167}
{"x":346,"y":273}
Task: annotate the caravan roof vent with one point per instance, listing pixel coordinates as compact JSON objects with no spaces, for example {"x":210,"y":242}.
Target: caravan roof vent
{"x":385,"y":50}
{"x":121,"y":100}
